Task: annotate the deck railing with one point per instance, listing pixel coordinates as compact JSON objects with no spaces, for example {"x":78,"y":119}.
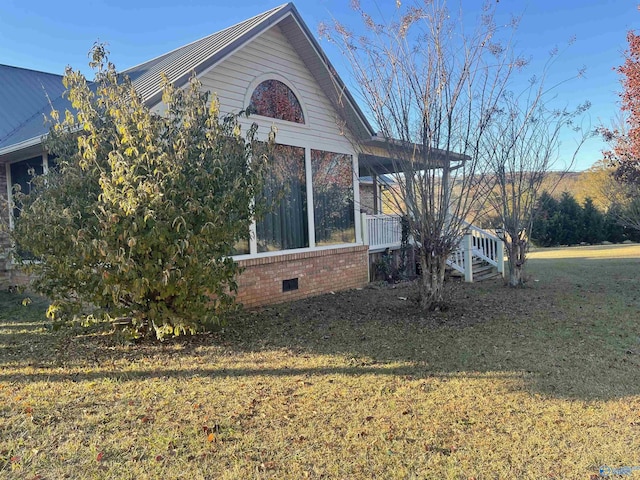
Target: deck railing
{"x":385,"y":231}
{"x":381,"y":231}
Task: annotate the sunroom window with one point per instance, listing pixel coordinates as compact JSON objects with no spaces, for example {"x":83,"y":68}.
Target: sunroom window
{"x":285,"y":225}
{"x":333,"y":211}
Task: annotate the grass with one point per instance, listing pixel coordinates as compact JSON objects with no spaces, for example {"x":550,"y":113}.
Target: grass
{"x":541,"y":382}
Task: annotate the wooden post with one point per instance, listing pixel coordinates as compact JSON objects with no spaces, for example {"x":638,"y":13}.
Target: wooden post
{"x":468,"y":257}
{"x":446,"y":174}
{"x":365,"y":228}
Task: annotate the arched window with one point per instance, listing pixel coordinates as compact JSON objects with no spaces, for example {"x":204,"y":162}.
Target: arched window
{"x":274,"y":99}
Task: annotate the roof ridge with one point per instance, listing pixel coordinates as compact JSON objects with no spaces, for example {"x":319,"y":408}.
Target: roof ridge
{"x":199,"y":55}
{"x":31,"y":70}
{"x":247,"y":20}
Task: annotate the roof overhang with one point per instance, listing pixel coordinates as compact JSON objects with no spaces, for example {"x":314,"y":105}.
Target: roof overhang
{"x":382,"y":156}
{"x":29,"y":148}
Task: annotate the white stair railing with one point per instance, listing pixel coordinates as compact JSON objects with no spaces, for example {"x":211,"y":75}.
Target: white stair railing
{"x":477,"y":243}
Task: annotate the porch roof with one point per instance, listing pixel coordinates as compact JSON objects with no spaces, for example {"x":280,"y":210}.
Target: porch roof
{"x":382,"y":156}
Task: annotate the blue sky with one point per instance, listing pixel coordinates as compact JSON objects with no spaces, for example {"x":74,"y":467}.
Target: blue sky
{"x":47,"y":36}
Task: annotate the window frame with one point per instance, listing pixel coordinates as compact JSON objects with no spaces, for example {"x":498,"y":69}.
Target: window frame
{"x":313,"y":247}
{"x":354,"y":184}
{"x":277,"y":121}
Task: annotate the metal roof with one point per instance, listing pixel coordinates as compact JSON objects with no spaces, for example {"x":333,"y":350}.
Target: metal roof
{"x":178,"y":65}
{"x":22,"y":122}
{"x":24,"y":96}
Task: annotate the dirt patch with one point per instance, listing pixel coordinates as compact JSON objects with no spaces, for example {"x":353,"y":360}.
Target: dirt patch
{"x":464,"y":304}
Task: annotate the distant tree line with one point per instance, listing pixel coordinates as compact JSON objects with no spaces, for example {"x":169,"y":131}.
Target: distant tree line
{"x":566,"y":222}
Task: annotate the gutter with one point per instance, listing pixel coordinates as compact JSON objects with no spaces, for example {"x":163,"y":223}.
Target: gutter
{"x":22,"y":145}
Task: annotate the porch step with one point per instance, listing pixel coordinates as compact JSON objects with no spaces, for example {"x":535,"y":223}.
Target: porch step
{"x":490,"y":272}
{"x":481,"y":271}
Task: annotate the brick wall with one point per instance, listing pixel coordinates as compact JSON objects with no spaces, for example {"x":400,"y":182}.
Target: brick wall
{"x":366,"y":199}
{"x":318,"y":272}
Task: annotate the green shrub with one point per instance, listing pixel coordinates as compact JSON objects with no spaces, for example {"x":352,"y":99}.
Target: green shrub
{"x":141,"y":214}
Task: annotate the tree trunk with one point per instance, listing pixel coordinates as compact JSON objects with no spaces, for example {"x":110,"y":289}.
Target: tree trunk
{"x":517,"y":258}
{"x":431,"y":280}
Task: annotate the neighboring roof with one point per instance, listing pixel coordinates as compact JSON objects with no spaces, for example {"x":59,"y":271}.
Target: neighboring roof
{"x":24,"y":97}
{"x":384,"y":180}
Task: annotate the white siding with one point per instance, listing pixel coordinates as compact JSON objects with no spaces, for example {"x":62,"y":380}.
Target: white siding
{"x":271,"y":53}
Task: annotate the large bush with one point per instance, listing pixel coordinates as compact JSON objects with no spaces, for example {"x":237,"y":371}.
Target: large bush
{"x":141,"y":213}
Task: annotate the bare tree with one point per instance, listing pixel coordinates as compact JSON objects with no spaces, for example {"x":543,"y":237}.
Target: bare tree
{"x":525,"y":141}
{"x":433,"y":90}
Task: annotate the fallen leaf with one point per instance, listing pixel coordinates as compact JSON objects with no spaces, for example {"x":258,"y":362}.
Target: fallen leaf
{"x":211,"y":437}
{"x":268,"y":466}
{"x":99,"y":457}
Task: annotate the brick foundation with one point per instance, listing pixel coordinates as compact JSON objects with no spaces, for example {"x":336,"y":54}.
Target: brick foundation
{"x":318,"y":272}
{"x":260,"y":283}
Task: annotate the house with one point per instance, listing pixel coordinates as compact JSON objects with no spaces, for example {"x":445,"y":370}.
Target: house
{"x":310,"y":245}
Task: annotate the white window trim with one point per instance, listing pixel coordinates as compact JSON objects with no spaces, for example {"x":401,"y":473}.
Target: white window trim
{"x":280,"y":253}
{"x":311,"y":217}
{"x":308,"y":146}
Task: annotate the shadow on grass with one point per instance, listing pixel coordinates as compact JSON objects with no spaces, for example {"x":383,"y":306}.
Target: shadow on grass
{"x":412,"y":371}
{"x":573,"y":333}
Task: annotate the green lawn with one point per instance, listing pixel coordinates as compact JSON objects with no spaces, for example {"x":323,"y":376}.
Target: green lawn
{"x":540,"y":382}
